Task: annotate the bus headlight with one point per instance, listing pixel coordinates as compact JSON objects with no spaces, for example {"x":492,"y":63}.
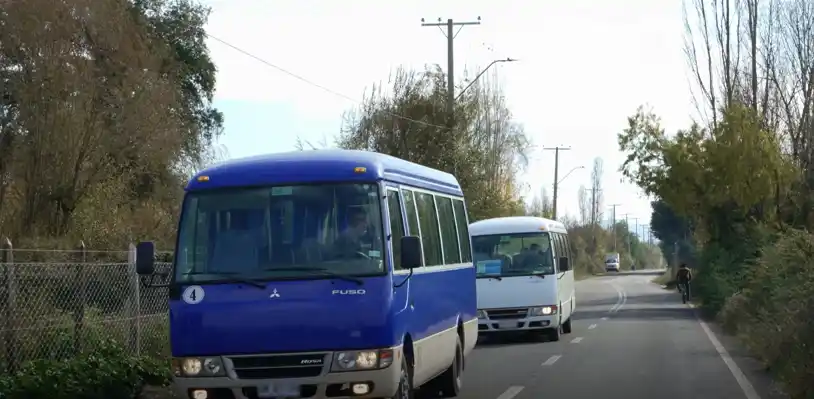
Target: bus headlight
{"x":542,"y":310}
{"x":362,"y":360}
{"x":481,"y":314}
{"x":198,"y":367}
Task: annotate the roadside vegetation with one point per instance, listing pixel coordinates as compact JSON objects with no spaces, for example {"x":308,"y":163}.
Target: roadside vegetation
{"x":105,"y":109}
{"x":734,"y":192}
{"x":486,"y":149}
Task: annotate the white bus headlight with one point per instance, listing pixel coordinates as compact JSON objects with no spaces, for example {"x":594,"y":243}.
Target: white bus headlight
{"x":362,"y":360}
{"x":542,"y":310}
{"x":481,"y":314}
{"x":198,"y":367}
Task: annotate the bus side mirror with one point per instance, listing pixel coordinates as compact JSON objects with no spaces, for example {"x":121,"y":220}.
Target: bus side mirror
{"x":145,"y":258}
{"x":564,"y":266}
{"x":411,"y":256}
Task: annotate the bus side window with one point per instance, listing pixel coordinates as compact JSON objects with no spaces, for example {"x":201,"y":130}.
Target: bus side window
{"x":412,"y":214}
{"x":567,"y":244}
{"x":462,"y":222}
{"x":430,"y":231}
{"x":559,"y":252}
{"x":449,"y":234}
{"x":396,"y":226}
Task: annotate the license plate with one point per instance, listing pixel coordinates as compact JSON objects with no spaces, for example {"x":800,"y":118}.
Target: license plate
{"x":507,"y":324}
{"x":278,"y":391}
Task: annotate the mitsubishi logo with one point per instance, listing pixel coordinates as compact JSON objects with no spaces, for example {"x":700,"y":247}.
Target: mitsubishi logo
{"x":274,"y":294}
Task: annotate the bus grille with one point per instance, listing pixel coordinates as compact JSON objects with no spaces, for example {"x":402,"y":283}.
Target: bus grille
{"x":279,"y":366}
{"x":509,"y":313}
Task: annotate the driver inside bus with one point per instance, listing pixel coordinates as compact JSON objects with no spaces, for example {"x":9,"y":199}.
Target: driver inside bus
{"x":534,"y":258}
{"x":350,"y":241}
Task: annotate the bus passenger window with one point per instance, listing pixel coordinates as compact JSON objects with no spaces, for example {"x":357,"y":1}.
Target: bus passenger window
{"x":449,"y":233}
{"x":396,"y":226}
{"x":430,"y":235}
{"x":412,"y":216}
{"x":461,"y":221}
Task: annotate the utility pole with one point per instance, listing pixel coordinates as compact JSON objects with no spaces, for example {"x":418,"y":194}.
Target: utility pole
{"x":556,"y":150}
{"x":450,"y":34}
{"x":630,"y":235}
{"x":613,"y":224}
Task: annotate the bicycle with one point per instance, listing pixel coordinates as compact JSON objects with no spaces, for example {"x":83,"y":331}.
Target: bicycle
{"x":685,"y":296}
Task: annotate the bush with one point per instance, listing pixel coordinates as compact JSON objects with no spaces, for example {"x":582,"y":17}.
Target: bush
{"x":106,"y":372}
{"x":772,"y":313}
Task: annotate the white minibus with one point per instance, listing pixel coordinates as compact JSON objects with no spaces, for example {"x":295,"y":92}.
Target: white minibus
{"x":524,"y":277}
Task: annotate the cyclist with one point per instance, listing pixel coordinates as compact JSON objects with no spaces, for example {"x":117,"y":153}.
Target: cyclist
{"x":683,"y":278}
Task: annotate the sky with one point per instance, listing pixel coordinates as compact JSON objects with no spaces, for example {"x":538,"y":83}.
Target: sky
{"x":584,"y":67}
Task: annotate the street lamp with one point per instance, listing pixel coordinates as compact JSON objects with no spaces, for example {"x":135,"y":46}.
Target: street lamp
{"x":569,"y":172}
{"x":556,"y":187}
{"x":480,"y":74}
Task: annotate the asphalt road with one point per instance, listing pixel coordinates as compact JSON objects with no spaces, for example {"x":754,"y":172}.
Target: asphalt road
{"x":631,"y":339}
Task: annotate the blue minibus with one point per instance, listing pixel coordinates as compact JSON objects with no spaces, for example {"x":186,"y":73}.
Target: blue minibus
{"x":320,"y":274}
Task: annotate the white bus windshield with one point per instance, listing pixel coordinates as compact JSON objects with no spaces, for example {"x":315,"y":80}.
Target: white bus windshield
{"x":280,"y":232}
{"x":506,"y":255}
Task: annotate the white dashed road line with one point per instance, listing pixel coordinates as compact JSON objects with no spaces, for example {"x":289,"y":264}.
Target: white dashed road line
{"x":510,"y":392}
{"x":551,"y":360}
{"x":576,"y":340}
{"x":604,"y":318}
{"x":592,"y":326}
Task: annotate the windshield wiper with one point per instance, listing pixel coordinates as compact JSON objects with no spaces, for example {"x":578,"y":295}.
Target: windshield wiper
{"x":318,"y":270}
{"x":232,"y":277}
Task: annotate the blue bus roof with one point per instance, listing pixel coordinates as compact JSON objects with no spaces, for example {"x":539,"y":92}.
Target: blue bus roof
{"x":304,"y":167}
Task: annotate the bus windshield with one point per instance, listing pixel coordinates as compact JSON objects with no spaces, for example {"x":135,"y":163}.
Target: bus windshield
{"x":280,"y":232}
{"x":506,"y":255}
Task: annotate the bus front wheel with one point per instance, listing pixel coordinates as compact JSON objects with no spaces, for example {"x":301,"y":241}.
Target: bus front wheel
{"x":405,"y":388}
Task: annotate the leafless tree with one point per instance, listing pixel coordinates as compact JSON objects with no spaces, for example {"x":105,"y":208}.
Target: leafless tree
{"x":597,"y":198}
{"x":585,"y":206}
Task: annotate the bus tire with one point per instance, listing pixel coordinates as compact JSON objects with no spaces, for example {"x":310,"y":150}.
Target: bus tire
{"x":405,"y":387}
{"x":450,"y":382}
{"x":566,"y":327}
{"x":554,"y":333}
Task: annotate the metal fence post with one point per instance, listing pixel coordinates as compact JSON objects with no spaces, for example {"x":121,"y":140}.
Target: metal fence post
{"x":8,"y":305}
{"x":134,"y":300}
{"x":80,"y":293}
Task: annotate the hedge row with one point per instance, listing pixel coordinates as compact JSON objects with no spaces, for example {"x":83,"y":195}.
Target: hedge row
{"x":107,"y":371}
{"x":769,"y":304}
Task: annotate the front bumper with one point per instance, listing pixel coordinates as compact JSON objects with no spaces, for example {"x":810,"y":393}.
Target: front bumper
{"x":322,"y":385}
{"x":487,"y":325}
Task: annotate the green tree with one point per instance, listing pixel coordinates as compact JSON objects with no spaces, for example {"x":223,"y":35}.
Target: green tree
{"x":484,"y":149}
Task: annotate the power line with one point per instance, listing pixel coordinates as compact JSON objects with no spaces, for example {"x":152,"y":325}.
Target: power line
{"x":317,"y":85}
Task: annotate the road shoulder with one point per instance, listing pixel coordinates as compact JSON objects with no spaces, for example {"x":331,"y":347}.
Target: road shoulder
{"x":765,"y":386}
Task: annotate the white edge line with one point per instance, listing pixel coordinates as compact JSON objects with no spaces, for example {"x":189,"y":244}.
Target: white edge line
{"x":510,"y":392}
{"x":551,"y":360}
{"x":736,"y":371}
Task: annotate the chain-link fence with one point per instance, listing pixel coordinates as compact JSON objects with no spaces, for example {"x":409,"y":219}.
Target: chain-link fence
{"x":55,"y":309}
